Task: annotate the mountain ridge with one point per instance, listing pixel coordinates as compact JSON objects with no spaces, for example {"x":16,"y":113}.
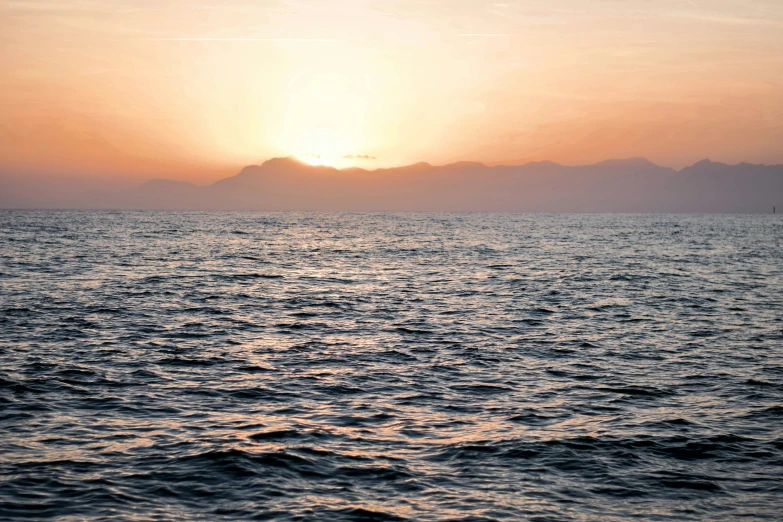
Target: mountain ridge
{"x":615,"y":185}
{"x":614,"y":162}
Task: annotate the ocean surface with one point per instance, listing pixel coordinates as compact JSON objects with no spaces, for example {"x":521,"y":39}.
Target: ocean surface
{"x":472,"y":367}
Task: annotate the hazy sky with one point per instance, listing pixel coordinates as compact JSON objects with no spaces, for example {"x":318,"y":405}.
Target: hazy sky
{"x":196,"y":89}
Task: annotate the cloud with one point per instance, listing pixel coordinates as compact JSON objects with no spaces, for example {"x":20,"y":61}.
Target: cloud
{"x":208,"y":39}
{"x":359,"y":157}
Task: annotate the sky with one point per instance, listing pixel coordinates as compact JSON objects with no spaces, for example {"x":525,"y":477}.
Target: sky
{"x":191,"y":89}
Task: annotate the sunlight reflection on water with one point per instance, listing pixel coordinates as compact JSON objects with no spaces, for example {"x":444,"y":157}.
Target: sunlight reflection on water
{"x":177,"y":365}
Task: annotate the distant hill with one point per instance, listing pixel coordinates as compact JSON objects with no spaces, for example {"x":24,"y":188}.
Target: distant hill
{"x":627,"y":185}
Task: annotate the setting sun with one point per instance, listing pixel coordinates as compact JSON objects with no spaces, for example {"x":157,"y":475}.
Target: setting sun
{"x":322,"y":146}
{"x":325,"y":116}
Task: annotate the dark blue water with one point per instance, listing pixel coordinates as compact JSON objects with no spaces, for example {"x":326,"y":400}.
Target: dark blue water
{"x":239,"y":366}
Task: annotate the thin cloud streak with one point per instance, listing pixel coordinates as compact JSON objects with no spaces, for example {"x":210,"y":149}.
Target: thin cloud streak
{"x":209,"y":39}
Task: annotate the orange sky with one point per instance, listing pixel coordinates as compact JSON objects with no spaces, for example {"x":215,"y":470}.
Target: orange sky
{"x":196,"y":89}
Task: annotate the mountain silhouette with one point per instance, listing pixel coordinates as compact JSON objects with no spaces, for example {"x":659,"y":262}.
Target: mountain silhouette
{"x":618,"y":185}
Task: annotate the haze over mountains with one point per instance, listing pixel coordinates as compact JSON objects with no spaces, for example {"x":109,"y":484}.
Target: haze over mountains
{"x":630,"y":185}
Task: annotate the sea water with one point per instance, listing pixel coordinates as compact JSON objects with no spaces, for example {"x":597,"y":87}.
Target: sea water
{"x":307,"y":366}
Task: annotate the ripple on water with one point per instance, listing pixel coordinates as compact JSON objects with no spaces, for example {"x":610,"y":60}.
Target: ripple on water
{"x":285,"y":366}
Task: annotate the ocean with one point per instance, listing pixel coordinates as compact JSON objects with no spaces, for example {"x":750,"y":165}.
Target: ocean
{"x":423,"y":366}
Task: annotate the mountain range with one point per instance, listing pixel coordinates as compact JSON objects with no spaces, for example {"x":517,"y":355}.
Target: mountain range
{"x":629,"y":185}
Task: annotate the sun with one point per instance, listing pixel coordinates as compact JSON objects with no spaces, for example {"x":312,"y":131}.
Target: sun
{"x":325,"y":117}
{"x":322,"y":146}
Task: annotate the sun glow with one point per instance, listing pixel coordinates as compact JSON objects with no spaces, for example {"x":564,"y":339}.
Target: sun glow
{"x":323,"y":146}
{"x":325,"y":117}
